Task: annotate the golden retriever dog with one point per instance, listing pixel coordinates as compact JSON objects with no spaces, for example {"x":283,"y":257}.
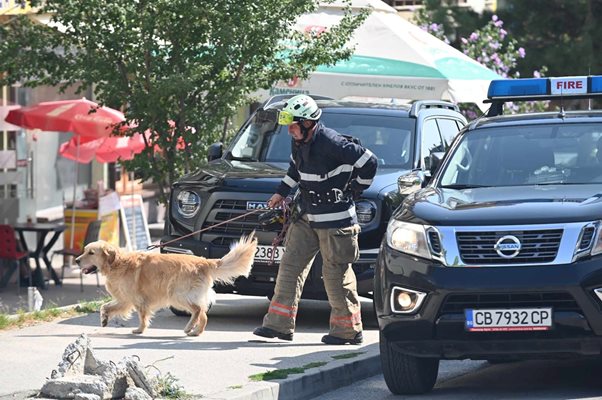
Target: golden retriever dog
{"x":146,"y":282}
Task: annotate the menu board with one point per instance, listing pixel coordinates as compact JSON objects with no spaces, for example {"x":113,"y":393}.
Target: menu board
{"x":133,"y":221}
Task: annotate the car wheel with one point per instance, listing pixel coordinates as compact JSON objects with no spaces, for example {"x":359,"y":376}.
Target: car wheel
{"x":183,"y":313}
{"x":405,"y":374}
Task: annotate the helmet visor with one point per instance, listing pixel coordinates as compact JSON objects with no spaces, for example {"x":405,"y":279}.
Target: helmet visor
{"x":285,"y":118}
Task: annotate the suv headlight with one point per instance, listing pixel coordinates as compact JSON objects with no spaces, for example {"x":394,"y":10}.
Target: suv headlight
{"x":188,"y":203}
{"x":408,"y":238}
{"x":365,"y":210}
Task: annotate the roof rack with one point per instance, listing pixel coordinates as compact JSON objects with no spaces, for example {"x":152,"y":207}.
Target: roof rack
{"x":424,"y":104}
{"x":535,"y":89}
{"x":282,"y":97}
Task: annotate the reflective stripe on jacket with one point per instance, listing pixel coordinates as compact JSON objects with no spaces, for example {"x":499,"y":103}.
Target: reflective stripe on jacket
{"x":328,"y":168}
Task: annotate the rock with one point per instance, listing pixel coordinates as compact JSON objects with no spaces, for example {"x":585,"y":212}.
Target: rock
{"x":86,"y":396}
{"x":136,"y":371}
{"x":68,"y":386}
{"x":73,"y":358}
{"x":136,"y":393}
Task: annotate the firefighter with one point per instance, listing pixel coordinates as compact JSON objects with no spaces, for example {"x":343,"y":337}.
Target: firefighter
{"x":331,"y":171}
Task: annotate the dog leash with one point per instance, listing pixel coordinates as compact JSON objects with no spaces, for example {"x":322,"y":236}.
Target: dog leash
{"x":156,"y":246}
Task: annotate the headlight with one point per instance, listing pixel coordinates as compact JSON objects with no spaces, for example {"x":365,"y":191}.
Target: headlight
{"x":188,"y":203}
{"x":365,"y":210}
{"x":408,"y":238}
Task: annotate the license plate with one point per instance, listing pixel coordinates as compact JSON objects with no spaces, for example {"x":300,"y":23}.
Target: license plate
{"x":263,"y":254}
{"x":517,"y":319}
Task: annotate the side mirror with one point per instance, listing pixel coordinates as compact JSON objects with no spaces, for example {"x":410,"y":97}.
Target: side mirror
{"x":411,"y":182}
{"x":434,"y":161}
{"x":215,"y":151}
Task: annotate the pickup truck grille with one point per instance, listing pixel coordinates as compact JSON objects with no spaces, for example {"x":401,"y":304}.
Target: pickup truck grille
{"x":559,"y":301}
{"x":538,"y":246}
{"x":224,"y":210}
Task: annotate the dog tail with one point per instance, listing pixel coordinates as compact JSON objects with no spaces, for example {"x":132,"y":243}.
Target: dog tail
{"x":238,"y":261}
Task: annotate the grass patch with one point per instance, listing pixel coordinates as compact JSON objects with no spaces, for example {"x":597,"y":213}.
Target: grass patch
{"x":167,"y":387}
{"x":316,"y":364}
{"x":347,"y":355}
{"x":284,"y":373}
{"x":22,"y":318}
{"x":4,"y":321}
{"x":235,"y":387}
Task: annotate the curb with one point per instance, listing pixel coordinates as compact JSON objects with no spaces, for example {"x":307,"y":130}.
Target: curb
{"x":310,"y":384}
{"x":14,"y":317}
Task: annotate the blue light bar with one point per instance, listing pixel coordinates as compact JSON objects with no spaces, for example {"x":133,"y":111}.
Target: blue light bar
{"x":532,"y":88}
{"x":595,"y":84}
{"x":518,"y":87}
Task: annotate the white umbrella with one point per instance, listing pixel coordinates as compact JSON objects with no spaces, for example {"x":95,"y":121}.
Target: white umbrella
{"x":393,"y":59}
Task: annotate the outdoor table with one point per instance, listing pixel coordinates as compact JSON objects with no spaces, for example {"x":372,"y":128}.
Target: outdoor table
{"x":42,"y":229}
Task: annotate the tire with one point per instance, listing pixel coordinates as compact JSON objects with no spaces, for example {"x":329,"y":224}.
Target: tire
{"x":183,"y":313}
{"x":405,"y":374}
{"x":178,"y":312}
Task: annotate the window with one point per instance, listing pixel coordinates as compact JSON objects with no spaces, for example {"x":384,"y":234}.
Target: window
{"x":449,"y":128}
{"x":431,"y":140}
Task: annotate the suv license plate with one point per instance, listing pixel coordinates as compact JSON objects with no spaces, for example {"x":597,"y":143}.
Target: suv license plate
{"x":514,"y":319}
{"x":263,"y":254}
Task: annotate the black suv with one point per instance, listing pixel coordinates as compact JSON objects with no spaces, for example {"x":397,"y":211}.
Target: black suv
{"x":247,"y":173}
{"x":499,"y":257}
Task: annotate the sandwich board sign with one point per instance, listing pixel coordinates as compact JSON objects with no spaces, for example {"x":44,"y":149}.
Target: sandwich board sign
{"x":133,"y":221}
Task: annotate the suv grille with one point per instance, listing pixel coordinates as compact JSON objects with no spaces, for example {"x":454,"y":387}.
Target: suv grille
{"x":559,"y":301}
{"x":224,"y":210}
{"x":536,"y":246}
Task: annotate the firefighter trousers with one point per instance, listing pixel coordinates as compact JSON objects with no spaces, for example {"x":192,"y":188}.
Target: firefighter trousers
{"x":339,"y":248}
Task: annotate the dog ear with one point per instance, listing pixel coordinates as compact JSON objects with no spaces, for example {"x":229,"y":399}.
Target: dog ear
{"x":110,"y":254}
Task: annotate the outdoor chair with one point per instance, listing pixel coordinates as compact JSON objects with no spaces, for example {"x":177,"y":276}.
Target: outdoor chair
{"x":92,"y":235}
{"x":12,"y":257}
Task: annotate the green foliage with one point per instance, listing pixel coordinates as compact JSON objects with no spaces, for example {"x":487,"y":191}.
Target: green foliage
{"x":490,"y":45}
{"x":347,"y":355}
{"x":560,"y":34}
{"x":179,"y":69}
{"x":284,"y":373}
{"x":167,"y":387}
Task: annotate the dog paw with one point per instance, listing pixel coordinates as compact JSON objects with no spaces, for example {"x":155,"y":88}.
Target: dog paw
{"x":104,"y":320}
{"x":137,"y":331}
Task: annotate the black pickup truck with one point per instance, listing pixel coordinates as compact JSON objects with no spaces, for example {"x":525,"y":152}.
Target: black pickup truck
{"x":499,"y":255}
{"x":246,"y":174}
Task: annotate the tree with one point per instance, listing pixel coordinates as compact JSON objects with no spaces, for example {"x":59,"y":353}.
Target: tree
{"x":564,"y":35}
{"x":491,"y":46}
{"x":179,"y":69}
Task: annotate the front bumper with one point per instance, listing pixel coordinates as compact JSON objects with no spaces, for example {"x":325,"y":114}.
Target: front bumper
{"x":262,"y":279}
{"x":437,"y":328}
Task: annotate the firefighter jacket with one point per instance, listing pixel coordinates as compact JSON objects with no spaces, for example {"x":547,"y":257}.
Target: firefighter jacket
{"x":329,"y":170}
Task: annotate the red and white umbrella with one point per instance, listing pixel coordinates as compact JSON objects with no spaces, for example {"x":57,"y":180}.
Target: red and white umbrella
{"x":112,"y":148}
{"x":82,"y":117}
{"x":105,"y":150}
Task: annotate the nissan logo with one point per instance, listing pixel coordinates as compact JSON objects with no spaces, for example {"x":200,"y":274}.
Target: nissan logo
{"x":507,"y":246}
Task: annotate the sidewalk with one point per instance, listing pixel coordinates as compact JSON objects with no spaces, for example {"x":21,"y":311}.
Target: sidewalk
{"x":215,"y":365}
{"x":11,"y":301}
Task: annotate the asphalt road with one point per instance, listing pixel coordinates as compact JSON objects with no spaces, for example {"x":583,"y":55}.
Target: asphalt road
{"x":533,"y":380}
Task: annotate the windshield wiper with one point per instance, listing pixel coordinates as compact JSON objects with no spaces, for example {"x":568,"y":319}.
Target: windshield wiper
{"x":231,"y":157}
{"x":463,"y":186}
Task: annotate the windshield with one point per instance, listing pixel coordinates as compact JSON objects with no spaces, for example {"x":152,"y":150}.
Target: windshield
{"x":526,"y":155}
{"x":388,"y":137}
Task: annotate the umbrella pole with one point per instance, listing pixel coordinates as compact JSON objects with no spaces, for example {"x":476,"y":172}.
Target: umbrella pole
{"x":74,"y":194}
